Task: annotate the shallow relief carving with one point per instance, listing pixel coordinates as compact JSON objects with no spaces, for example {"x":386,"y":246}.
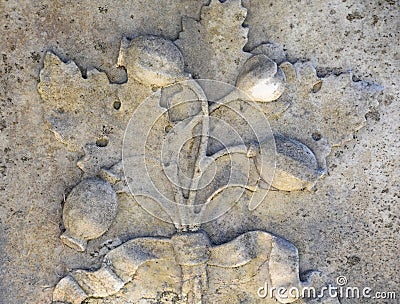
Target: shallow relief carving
{"x":190,"y":151}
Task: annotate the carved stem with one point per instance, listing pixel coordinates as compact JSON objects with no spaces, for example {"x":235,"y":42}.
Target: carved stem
{"x":201,"y":155}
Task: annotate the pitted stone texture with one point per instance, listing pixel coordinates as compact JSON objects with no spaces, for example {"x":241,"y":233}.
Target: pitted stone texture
{"x":254,"y":254}
{"x":348,"y":227}
{"x":318,"y":104}
{"x":67,"y":96}
{"x":89,"y":114}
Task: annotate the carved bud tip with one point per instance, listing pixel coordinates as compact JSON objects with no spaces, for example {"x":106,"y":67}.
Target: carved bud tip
{"x":88,"y":212}
{"x":261,"y":79}
{"x":152,"y":61}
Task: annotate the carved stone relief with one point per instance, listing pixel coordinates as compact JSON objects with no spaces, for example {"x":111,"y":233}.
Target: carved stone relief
{"x":187,"y":148}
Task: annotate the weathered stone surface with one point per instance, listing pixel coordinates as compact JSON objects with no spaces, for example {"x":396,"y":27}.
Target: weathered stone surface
{"x":196,"y":257}
{"x":337,"y":52}
{"x":183,"y":114}
{"x":88,"y":212}
{"x":212,"y":47}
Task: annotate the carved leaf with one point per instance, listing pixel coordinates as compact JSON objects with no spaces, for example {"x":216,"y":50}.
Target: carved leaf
{"x":322,"y":112}
{"x":213,"y":46}
{"x":73,"y":104}
{"x":89,"y":114}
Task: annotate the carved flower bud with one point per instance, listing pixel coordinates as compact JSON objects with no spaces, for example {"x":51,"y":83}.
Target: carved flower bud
{"x":261,"y":79}
{"x":88,"y":212}
{"x":296,"y":165}
{"x":152,"y":61}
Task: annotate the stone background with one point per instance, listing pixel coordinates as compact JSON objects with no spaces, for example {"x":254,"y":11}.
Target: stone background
{"x":349,"y":227}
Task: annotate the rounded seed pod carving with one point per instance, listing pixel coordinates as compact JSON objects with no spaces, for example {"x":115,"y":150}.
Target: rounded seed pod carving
{"x":152,"y":61}
{"x":261,"y":79}
{"x":296,"y":165}
{"x":88,"y":212}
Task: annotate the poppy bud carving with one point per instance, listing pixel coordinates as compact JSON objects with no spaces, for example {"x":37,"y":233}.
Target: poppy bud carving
{"x":88,"y":212}
{"x":261,"y":79}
